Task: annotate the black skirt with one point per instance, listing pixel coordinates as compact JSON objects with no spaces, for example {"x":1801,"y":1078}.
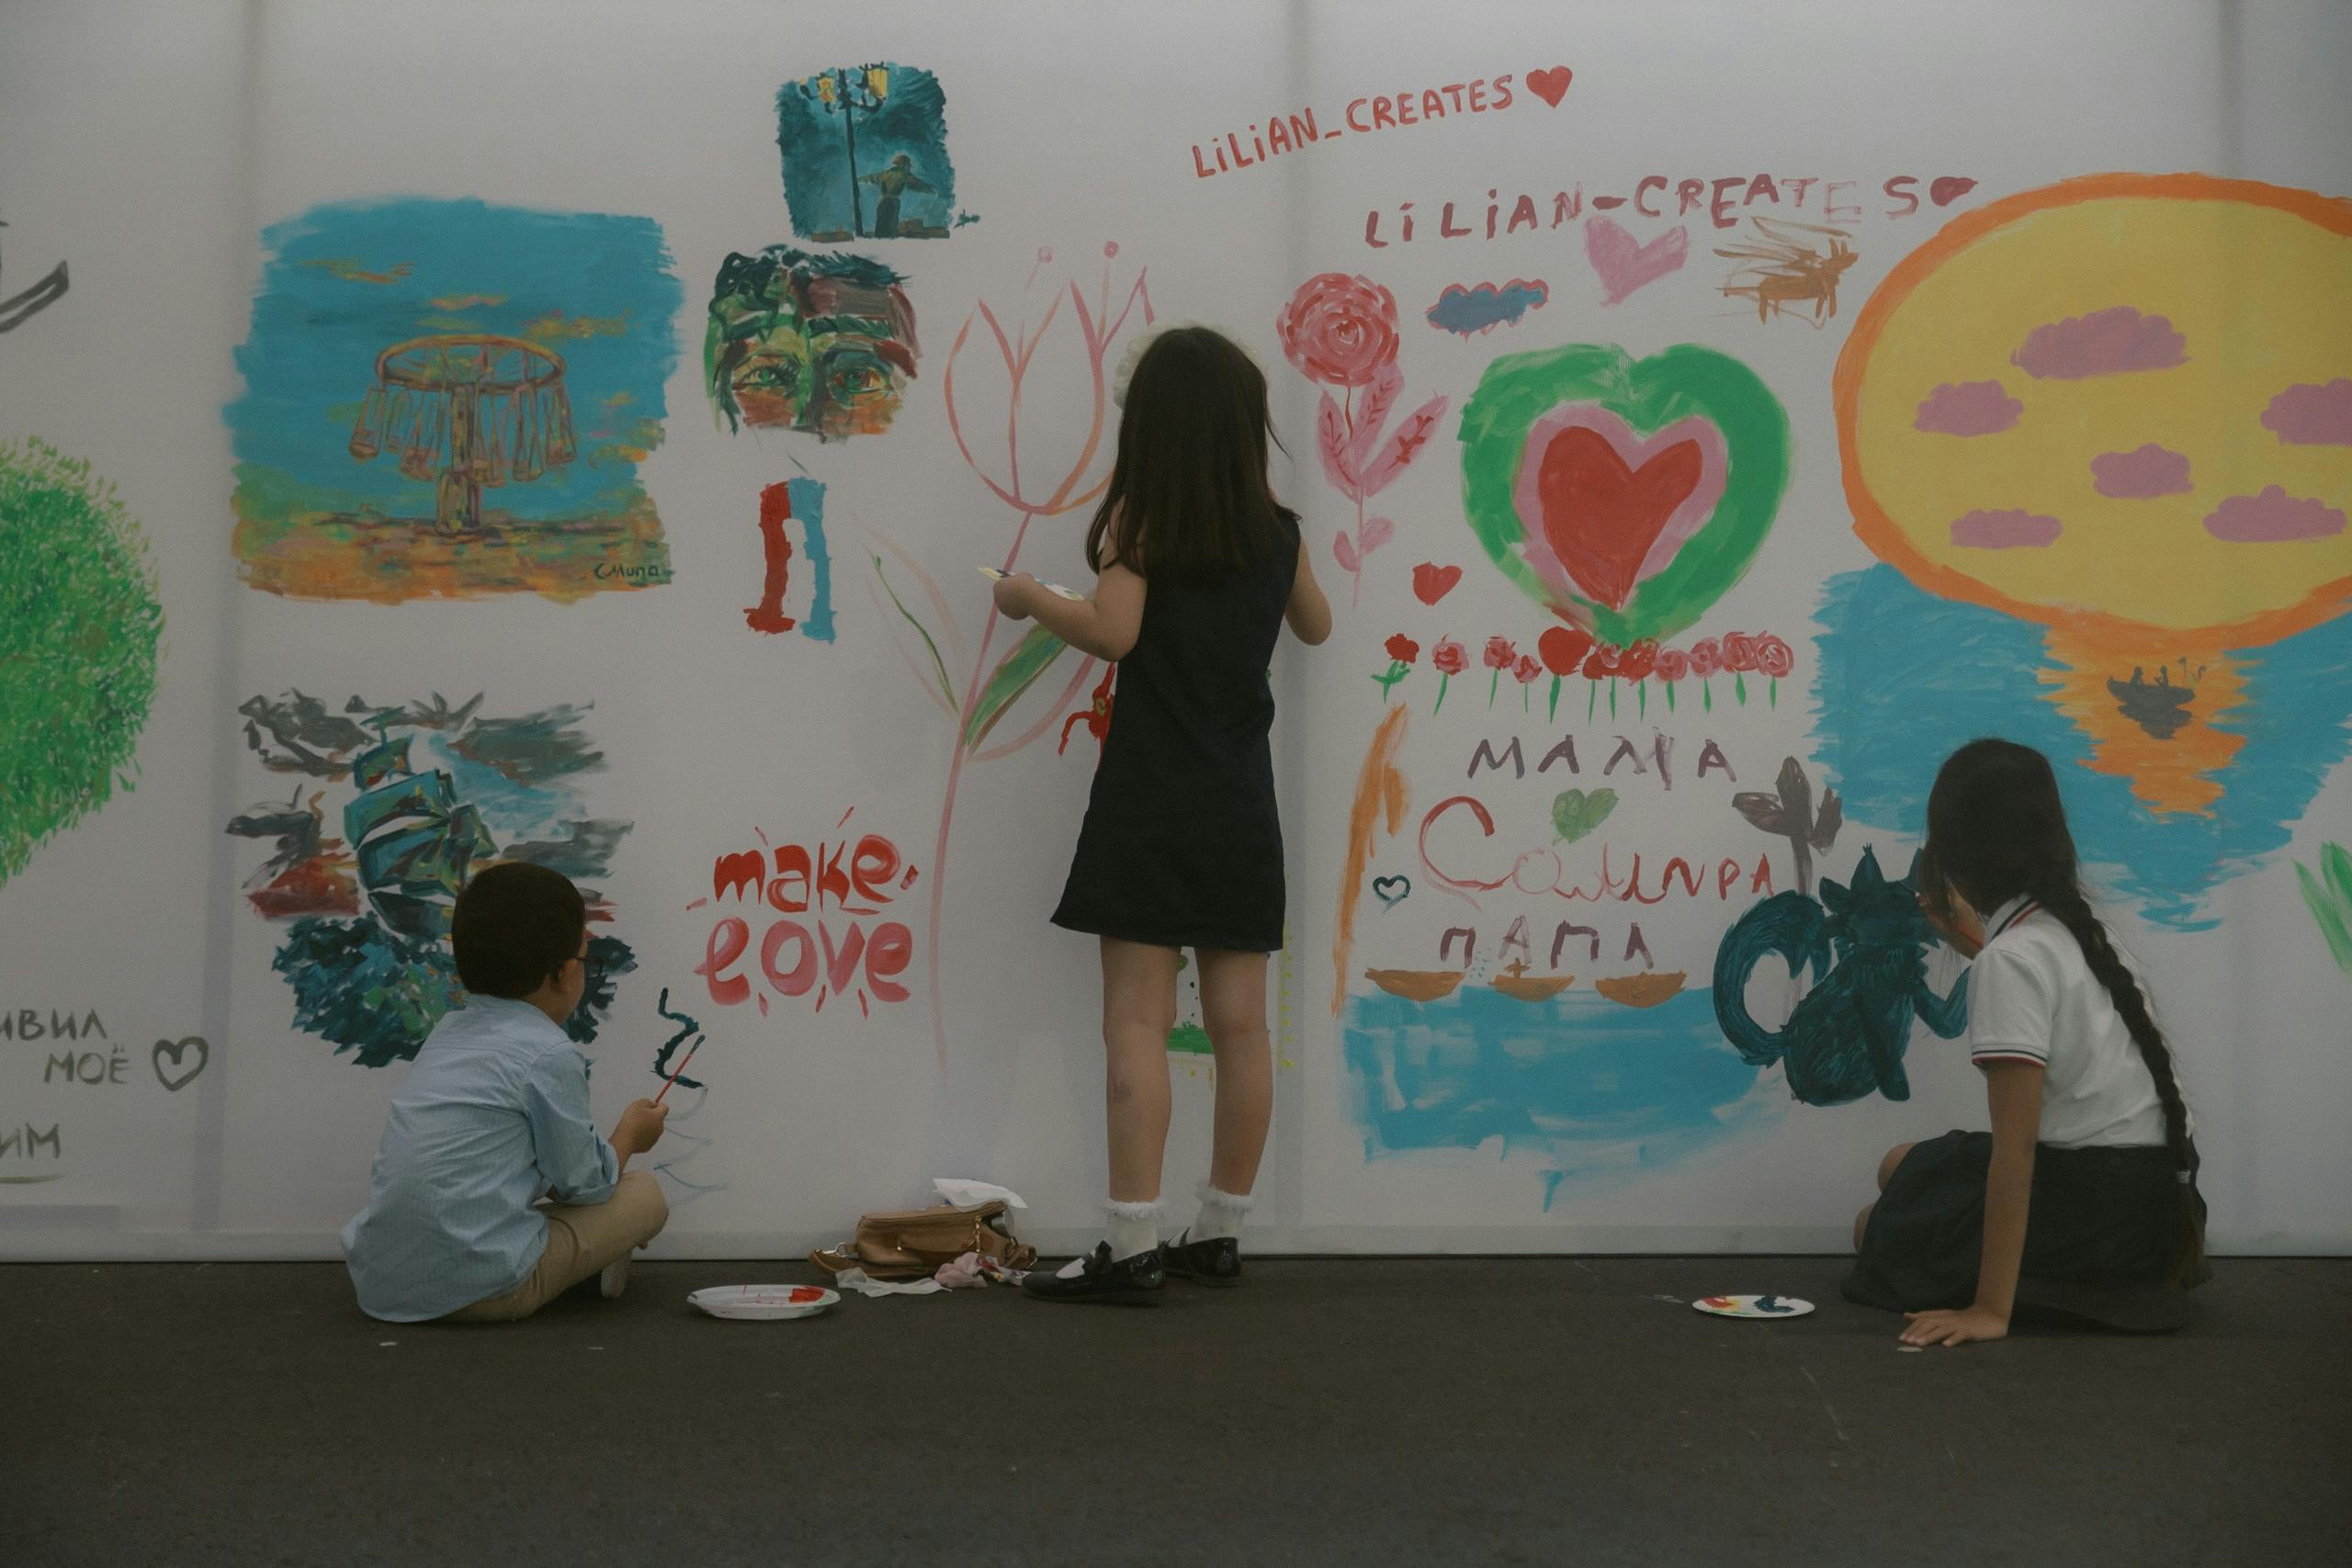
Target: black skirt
{"x":2097,"y":1216}
{"x":1182,"y":841}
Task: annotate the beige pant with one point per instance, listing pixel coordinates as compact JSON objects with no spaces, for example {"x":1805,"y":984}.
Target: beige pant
{"x":582,"y":1242}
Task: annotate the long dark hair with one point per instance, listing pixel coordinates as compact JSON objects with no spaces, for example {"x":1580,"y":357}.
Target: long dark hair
{"x":1995,"y":829}
{"x":1189,"y":488}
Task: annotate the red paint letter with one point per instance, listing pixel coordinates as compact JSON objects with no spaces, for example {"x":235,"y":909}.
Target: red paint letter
{"x":1719,"y":204}
{"x":876,"y":862}
{"x":841,"y":968}
{"x":795,"y":981}
{"x":1643,"y":189}
{"x":886,"y":957}
{"x":1903,"y":195}
{"x":728,"y":940}
{"x":791,"y":862}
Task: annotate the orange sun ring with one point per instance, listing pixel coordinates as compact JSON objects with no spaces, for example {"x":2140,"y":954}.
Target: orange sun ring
{"x":1887,"y":540}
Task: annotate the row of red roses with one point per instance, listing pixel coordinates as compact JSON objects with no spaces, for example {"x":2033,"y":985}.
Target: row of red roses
{"x":1567,"y":651}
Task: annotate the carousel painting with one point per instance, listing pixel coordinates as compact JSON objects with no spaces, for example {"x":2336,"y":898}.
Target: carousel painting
{"x":447,"y":399}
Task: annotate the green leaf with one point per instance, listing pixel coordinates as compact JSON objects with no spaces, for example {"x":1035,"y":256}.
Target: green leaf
{"x":946,"y":687}
{"x":1014,"y":673}
{"x":2330,"y":905}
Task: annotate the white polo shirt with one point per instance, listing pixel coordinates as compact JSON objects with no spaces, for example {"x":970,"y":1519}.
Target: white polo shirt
{"x":2032,"y":998}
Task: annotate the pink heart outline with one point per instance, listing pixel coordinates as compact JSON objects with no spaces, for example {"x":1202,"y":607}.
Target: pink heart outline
{"x":1634,"y":451}
{"x":1624,"y":266}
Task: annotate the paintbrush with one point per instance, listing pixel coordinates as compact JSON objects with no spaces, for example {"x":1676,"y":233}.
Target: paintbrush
{"x":679,"y":1069}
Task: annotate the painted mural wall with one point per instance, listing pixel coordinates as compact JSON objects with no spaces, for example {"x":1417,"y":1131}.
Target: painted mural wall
{"x":1703,"y":421}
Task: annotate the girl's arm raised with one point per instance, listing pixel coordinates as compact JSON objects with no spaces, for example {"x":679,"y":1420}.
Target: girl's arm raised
{"x":2013,"y":1090}
{"x":1105,"y":626}
{"x":1309,"y":613}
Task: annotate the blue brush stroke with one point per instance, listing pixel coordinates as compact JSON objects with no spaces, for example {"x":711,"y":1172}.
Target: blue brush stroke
{"x":316,"y":337}
{"x":1485,"y":306}
{"x":1607,"y":1091}
{"x":809,"y":505}
{"x":1906,"y":677}
{"x":516,"y":809}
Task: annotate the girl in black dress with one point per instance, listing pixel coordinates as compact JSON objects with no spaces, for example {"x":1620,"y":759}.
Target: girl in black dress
{"x":1199,"y":568}
{"x":2082,"y":1200}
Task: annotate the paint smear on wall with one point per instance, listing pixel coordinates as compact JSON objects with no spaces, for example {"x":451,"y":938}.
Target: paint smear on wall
{"x":2328,"y":896}
{"x":1906,"y":677}
{"x":391,"y":448}
{"x":2308,"y":414}
{"x":2114,"y":341}
{"x":1601,"y":1094}
{"x":797,"y":506}
{"x":79,"y":623}
{"x":1484,"y":307}
{"x":865,"y":155}
{"x":2273,"y":517}
{"x":1967,"y":408}
{"x":2011,"y":528}
{"x":2143,"y":474}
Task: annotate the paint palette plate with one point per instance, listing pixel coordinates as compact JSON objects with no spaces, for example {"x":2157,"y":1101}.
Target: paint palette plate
{"x":1754,"y":1306}
{"x":763,"y":1303}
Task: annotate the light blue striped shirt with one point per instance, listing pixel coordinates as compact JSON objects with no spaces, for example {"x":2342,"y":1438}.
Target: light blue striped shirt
{"x":494,"y":1113}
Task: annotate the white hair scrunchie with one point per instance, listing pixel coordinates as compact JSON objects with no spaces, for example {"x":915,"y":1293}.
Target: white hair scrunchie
{"x":1143,"y":341}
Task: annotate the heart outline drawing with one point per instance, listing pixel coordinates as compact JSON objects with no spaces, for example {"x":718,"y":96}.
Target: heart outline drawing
{"x":177,"y":1051}
{"x":1380,"y":885}
{"x":1551,"y":85}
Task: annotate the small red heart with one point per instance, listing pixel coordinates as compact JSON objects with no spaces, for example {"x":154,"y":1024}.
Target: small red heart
{"x":1550,"y":86}
{"x":1433,"y":582}
{"x":1948,"y":188}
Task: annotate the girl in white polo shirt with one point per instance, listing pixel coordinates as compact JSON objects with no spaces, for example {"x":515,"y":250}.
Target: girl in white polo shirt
{"x":2089,"y":1176}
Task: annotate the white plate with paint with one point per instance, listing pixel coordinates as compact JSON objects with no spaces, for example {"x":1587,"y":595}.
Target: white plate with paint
{"x":1754,"y":1306}
{"x":763,"y":1303}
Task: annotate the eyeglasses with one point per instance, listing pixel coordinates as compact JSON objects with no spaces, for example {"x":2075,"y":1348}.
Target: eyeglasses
{"x":590,"y":971}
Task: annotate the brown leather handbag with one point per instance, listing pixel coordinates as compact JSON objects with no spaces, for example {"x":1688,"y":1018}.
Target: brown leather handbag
{"x":912,"y":1244}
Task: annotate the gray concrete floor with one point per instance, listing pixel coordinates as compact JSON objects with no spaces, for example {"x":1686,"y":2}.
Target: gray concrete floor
{"x":1540,"y":1411}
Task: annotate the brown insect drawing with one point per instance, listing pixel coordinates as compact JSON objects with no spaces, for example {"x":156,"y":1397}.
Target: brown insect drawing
{"x":1789,"y":265}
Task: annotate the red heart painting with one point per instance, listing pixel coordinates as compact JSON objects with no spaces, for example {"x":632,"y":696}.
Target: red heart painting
{"x":1550,"y":86}
{"x":1600,"y":516}
{"x":1433,"y":582}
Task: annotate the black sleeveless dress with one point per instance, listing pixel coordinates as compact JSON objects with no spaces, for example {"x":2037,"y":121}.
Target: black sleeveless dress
{"x":1183,"y":846}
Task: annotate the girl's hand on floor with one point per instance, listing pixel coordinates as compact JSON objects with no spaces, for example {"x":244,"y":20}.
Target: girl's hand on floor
{"x":1013,"y":597}
{"x":1955,"y":1327}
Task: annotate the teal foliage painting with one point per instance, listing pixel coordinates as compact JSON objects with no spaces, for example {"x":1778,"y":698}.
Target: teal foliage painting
{"x":80,"y":628}
{"x":425,"y":793}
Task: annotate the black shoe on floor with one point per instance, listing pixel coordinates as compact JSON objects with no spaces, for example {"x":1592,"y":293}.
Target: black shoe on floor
{"x":1216,"y":1261}
{"x":1130,"y":1281}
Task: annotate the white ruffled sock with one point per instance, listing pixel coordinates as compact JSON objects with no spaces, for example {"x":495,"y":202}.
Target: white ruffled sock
{"x":1134,"y":1227}
{"x":1221,"y":1214}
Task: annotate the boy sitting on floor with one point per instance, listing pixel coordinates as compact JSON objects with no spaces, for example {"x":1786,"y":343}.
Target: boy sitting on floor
{"x":492,"y":1117}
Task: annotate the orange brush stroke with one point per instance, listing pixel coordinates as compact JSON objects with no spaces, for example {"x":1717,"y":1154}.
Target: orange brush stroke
{"x":1889,"y":543}
{"x":1380,"y":789}
{"x":1643,"y":990}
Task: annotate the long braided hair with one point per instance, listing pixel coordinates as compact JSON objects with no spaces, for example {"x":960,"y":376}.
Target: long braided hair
{"x":1995,"y":829}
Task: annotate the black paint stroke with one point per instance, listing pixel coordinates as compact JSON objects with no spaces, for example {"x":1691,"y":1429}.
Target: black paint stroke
{"x":686,"y":1026}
